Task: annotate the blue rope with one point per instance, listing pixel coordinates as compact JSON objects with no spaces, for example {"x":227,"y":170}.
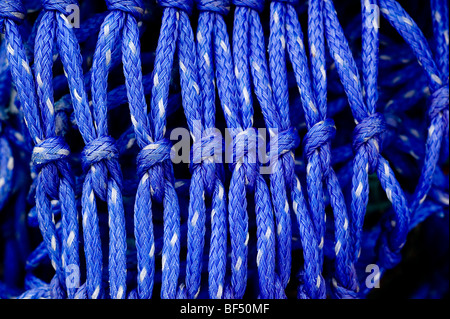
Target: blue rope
{"x":439,"y":10}
{"x":49,"y":157}
{"x":438,"y":83}
{"x":103,"y":176}
{"x":193,"y":109}
{"x":174,"y":20}
{"x":282,"y":171}
{"x":207,"y":149}
{"x":246,"y":174}
{"x":367,"y":143}
{"x":100,"y":158}
{"x":237,"y":204}
{"x":143,"y":217}
{"x":321,"y":130}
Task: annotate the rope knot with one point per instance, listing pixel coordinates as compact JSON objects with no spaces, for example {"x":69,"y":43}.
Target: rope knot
{"x":243,"y":153}
{"x":206,"y":152}
{"x":280,"y":145}
{"x":284,"y":142}
{"x":184,"y":5}
{"x":319,"y":135}
{"x":100,"y":156}
{"x":438,"y":102}
{"x":257,"y":5}
{"x":344,"y":293}
{"x":50,"y":150}
{"x":147,"y":161}
{"x":47,"y":158}
{"x":101,"y":149}
{"x":217,"y":6}
{"x":345,"y":286}
{"x":12,"y":10}
{"x":369,"y":133}
{"x":133,"y":7}
{"x":58,"y":5}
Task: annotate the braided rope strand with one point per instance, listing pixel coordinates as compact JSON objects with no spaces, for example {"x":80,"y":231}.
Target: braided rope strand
{"x":45,"y":152}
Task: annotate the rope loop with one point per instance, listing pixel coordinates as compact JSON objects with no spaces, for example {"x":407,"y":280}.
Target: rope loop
{"x":369,"y":133}
{"x":206,"y":152}
{"x":47,"y":159}
{"x":280,"y":146}
{"x":50,"y":150}
{"x":286,"y":140}
{"x":344,"y":293}
{"x":320,"y":134}
{"x":147,"y":160}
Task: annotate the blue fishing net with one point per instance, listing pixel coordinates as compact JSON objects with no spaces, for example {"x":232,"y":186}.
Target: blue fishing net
{"x":224,"y":149}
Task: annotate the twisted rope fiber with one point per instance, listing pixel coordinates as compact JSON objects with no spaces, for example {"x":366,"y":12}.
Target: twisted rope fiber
{"x":280,"y":21}
{"x":6,"y":155}
{"x":49,"y":157}
{"x":438,"y":106}
{"x":317,"y":44}
{"x":438,"y":83}
{"x":43,"y":69}
{"x":103,"y":175}
{"x":317,"y":148}
{"x":405,"y":99}
{"x":366,"y":143}
{"x":440,"y":29}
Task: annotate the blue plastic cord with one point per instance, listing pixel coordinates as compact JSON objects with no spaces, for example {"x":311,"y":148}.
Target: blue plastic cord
{"x":437,"y":80}
{"x":282,"y":29}
{"x":321,"y":130}
{"x":49,"y":157}
{"x":130,"y":47}
{"x":161,"y":173}
{"x":246,"y":175}
{"x":366,"y":143}
{"x":207,"y":150}
{"x":103,"y":175}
